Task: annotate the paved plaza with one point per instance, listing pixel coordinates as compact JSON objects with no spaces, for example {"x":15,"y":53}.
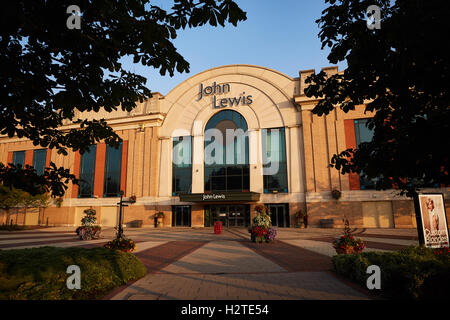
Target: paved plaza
{"x":185,"y":263}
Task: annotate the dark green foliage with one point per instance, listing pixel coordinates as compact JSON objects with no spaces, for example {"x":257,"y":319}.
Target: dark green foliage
{"x":40,"y":273}
{"x":403,"y":69}
{"x":51,"y":73}
{"x":412,"y":273}
{"x":53,"y":180}
{"x":13,"y":227}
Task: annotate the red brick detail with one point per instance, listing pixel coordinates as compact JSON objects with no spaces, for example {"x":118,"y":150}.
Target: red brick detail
{"x":10,"y":157}
{"x":29,"y":157}
{"x":350,"y":141}
{"x":123,"y":169}
{"x":76,"y":172}
{"x":99,"y":170}
{"x":48,"y":158}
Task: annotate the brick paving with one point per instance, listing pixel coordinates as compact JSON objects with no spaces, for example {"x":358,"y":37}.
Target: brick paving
{"x":290,"y":257}
{"x":238,"y":270}
{"x":161,"y":256}
{"x":198,"y":264}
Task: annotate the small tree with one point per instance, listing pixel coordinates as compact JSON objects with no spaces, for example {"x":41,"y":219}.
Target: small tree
{"x":28,"y":201}
{"x":9,"y":198}
{"x":44,"y":201}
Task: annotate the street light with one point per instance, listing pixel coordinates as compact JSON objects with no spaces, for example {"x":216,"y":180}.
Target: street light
{"x":120,"y":229}
{"x":121,"y":204}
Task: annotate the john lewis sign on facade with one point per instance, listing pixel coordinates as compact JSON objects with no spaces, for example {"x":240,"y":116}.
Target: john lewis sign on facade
{"x":216,"y":89}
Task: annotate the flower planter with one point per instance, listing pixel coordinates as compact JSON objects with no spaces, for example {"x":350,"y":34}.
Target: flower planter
{"x":160,"y":223}
{"x":347,"y":250}
{"x":88,"y":232}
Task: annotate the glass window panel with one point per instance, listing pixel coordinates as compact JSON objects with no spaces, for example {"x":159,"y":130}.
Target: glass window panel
{"x":274,"y":158}
{"x":187,"y":216}
{"x":87,"y":172}
{"x":39,"y":159}
{"x":273,"y":215}
{"x":19,"y":158}
{"x":182,"y":165}
{"x":218,"y":183}
{"x":234,"y":183}
{"x":113,"y":165}
{"x":246,"y":182}
{"x":178,"y":213}
{"x":230,"y":176}
{"x":280,"y":216}
{"x":234,"y":170}
{"x":364,"y":134}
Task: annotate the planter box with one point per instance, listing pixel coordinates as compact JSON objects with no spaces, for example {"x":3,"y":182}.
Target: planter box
{"x":347,"y":250}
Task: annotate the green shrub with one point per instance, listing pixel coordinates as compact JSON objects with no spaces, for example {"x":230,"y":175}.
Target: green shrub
{"x":13,"y":227}
{"x":40,"y":273}
{"x":412,"y":273}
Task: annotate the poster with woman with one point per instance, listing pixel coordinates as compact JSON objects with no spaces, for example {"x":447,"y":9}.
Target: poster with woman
{"x":434,"y":220}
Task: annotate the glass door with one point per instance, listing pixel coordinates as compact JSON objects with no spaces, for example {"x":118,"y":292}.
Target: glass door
{"x":230,"y":215}
{"x":236,"y":216}
{"x":181,"y":216}
{"x":279,"y":214}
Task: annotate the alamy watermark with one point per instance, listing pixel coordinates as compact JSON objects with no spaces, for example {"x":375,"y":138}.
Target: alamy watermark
{"x":73,"y":282}
{"x":374,"y":280}
{"x":74,"y":21}
{"x":373,"y":17}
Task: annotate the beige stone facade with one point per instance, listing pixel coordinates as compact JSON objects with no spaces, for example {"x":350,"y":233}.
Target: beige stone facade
{"x":277,"y":101}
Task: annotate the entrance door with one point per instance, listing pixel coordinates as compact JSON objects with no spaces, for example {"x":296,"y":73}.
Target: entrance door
{"x":230,"y":215}
{"x":236,"y":216}
{"x":181,"y":216}
{"x":279,"y":214}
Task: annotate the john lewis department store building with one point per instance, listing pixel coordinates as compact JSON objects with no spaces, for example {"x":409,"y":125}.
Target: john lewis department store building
{"x":171,"y":152}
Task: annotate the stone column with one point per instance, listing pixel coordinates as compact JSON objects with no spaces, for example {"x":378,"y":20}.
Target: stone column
{"x":165,"y":172}
{"x":255,"y":160}
{"x":198,"y":184}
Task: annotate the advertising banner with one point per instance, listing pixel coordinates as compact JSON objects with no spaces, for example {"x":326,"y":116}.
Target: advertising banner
{"x":434,"y":220}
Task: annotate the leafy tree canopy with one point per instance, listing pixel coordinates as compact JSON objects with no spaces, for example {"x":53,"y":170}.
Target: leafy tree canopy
{"x":50,"y":71}
{"x":403,"y":69}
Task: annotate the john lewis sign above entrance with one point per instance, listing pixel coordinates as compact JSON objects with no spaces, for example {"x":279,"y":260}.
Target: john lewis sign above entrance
{"x":220,"y":197}
{"x":216,"y":89}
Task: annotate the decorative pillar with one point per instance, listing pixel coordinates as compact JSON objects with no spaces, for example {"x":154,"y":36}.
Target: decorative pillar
{"x":255,"y":160}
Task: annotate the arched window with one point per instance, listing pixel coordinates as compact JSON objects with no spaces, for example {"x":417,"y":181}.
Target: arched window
{"x":226,"y":153}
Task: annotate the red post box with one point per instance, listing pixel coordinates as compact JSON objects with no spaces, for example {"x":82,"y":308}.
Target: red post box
{"x":218,"y":227}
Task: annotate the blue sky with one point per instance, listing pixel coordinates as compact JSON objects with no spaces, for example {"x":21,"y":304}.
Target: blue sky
{"x":280,"y":35}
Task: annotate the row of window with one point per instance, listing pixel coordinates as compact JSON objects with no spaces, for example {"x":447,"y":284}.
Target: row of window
{"x":113,"y":164}
{"x":226,"y":157}
{"x":39,"y":159}
{"x":217,"y":177}
{"x":232,"y":176}
{"x":111,"y":181}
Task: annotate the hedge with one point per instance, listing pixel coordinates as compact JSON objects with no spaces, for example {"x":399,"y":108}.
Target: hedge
{"x":40,"y":273}
{"x":412,"y":273}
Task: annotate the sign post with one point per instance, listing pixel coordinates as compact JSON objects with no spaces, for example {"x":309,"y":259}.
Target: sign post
{"x":431,"y":219}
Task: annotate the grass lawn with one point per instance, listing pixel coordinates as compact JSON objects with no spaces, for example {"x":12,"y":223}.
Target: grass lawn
{"x":40,"y":273}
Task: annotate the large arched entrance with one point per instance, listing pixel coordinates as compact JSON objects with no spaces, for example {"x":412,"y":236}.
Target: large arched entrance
{"x":226,"y":162}
{"x":226,"y":158}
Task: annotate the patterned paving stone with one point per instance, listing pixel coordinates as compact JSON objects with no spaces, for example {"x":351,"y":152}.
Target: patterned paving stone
{"x":223,"y":257}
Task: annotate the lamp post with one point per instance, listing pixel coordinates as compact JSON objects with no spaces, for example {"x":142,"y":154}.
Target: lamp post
{"x":121,"y":204}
